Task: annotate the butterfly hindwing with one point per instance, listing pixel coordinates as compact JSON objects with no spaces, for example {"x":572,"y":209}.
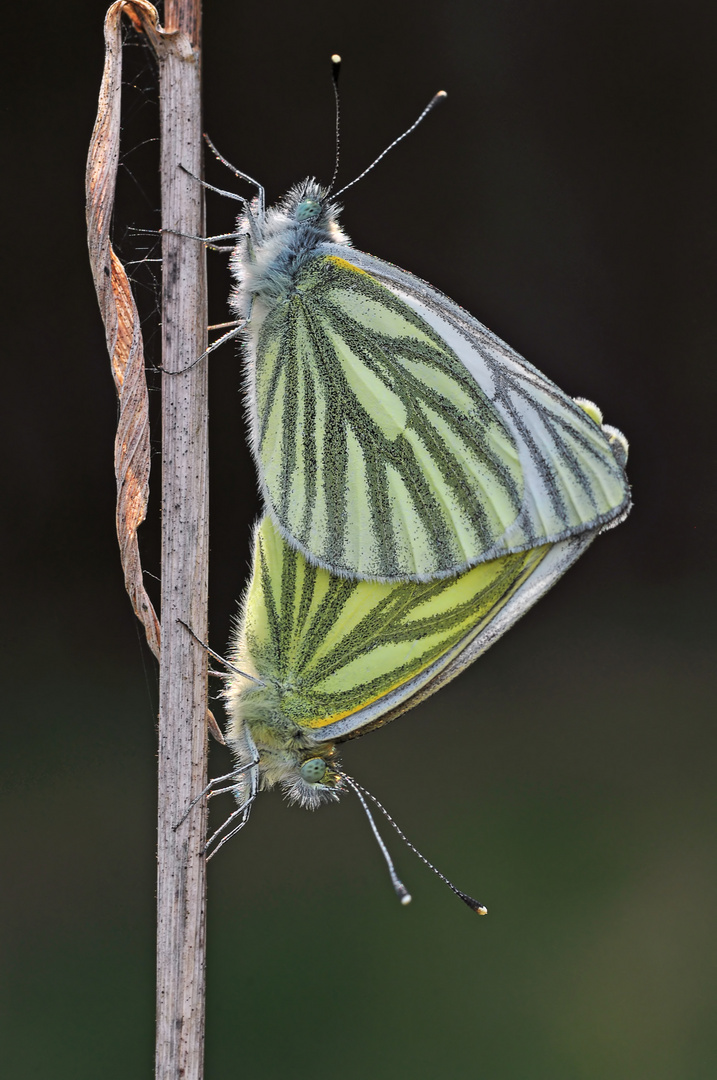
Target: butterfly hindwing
{"x":398,"y":439}
{"x":331,"y":649}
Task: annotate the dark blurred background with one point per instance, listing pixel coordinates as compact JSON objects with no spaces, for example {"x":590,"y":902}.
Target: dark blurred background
{"x":565,"y":194}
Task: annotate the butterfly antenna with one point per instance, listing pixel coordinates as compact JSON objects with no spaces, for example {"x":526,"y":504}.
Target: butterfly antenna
{"x":401,"y":891}
{"x":238,"y":173}
{"x":479,"y":909}
{"x":216,"y":656}
{"x":431,"y":105}
{"x":335,"y":72}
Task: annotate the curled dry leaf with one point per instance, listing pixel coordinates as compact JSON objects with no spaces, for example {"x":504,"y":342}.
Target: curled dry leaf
{"x":120,"y":316}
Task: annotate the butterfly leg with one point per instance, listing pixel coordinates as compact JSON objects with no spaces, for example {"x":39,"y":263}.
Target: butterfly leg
{"x":221,"y":791}
{"x":210,"y":187}
{"x":224,"y":338}
{"x":214,"y":345}
{"x":225,"y":325}
{"x":202,"y":793}
{"x":244,"y":812}
{"x":210,"y":241}
{"x":233,"y":775}
{"x":237,"y":172}
{"x":227,"y":665}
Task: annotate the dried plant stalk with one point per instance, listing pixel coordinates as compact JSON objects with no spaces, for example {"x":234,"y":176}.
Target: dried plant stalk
{"x":181,"y":870}
{"x":181,"y":881}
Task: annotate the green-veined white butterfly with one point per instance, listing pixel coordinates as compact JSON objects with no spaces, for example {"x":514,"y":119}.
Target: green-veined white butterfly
{"x":395,"y":437}
{"x":319,"y":659}
{"x":398,"y":444}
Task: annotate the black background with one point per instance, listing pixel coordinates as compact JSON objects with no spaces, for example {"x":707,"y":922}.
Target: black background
{"x":565,"y":194}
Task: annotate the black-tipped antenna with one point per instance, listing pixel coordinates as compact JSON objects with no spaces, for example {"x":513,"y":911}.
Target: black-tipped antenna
{"x":431,"y":104}
{"x":227,"y":665}
{"x":335,"y":72}
{"x":480,"y":909}
{"x":401,"y":891}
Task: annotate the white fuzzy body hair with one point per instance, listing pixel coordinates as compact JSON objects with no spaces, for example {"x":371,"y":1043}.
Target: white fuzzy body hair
{"x":274,"y":246}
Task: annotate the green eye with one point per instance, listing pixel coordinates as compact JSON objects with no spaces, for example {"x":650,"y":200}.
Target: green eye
{"x":314,"y":770}
{"x":307,"y":209}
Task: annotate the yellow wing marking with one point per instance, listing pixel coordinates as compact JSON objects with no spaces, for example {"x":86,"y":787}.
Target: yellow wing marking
{"x":346,"y":265}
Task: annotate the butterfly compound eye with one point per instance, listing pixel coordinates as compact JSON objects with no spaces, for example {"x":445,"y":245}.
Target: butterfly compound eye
{"x":313,"y":770}
{"x":308,"y":209}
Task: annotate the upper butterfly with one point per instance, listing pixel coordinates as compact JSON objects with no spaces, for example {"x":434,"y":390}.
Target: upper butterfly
{"x":395,"y":437}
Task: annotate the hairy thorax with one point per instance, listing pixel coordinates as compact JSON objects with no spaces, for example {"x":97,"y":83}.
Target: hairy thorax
{"x":272,"y":250}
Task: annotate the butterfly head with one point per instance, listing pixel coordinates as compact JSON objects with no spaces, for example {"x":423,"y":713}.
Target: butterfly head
{"x":308,"y":204}
{"x":286,"y":754}
{"x":308,"y":210}
{"x":315,"y":782}
{"x":307,"y":777}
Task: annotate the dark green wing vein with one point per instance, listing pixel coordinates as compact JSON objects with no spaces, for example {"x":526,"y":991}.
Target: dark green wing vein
{"x":308,"y":449}
{"x":342,"y":406}
{"x":266,"y":648}
{"x":320,"y":625}
{"x":274,"y":342}
{"x":287,"y":598}
{"x":553,"y":457}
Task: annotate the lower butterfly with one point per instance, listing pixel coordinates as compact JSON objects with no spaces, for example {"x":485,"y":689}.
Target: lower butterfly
{"x":319,"y":659}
